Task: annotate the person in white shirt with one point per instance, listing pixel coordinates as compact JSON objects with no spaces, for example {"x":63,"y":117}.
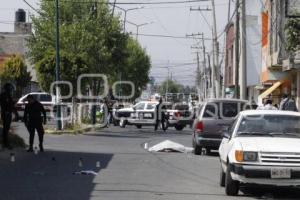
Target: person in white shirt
{"x":267,"y":106}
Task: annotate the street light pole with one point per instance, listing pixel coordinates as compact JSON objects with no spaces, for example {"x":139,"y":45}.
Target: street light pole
{"x":138,"y":26}
{"x":57,"y":69}
{"x":125,"y":14}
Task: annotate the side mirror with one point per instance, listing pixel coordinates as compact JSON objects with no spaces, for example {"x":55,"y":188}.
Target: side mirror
{"x":226,"y":134}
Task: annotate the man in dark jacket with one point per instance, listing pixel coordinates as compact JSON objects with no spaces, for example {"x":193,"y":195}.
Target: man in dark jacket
{"x":288,"y":103}
{"x":160,"y":115}
{"x":34,"y":121}
{"x":7,"y":108}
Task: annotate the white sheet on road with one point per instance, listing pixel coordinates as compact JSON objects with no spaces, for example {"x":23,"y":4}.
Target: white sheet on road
{"x":169,"y":146}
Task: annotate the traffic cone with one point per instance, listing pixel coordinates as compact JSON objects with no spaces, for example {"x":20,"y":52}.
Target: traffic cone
{"x":146,"y":146}
{"x":80,"y":164}
{"x":98,"y":164}
{"x":12,"y":157}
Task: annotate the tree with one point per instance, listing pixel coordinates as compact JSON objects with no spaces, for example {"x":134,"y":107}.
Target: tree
{"x":46,"y":69}
{"x":169,"y":86}
{"x":292,"y":29}
{"x":14,"y":70}
{"x":137,"y":66}
{"x":91,"y":40}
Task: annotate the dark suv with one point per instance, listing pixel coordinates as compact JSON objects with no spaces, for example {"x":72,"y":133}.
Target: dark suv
{"x":213,"y":117}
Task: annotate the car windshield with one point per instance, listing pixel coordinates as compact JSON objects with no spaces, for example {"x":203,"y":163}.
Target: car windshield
{"x":270,"y":125}
{"x":150,"y":106}
{"x":139,"y":106}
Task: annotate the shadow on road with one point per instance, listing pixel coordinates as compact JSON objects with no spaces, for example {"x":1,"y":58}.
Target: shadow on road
{"x":114,"y":136}
{"x":49,"y":175}
{"x":266,"y":192}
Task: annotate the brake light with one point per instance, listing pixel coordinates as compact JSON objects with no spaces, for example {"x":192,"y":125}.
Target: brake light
{"x":199,"y":127}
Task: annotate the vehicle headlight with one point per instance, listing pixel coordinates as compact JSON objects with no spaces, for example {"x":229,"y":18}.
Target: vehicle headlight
{"x":248,"y":156}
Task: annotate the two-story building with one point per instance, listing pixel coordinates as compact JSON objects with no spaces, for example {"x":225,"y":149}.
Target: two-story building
{"x":253,"y":52}
{"x":280,"y":74}
{"x":15,"y":43}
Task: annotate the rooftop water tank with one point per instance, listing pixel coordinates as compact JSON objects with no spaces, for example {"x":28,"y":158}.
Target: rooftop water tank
{"x":20,"y":16}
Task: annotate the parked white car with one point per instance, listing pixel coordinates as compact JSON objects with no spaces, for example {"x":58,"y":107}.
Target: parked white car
{"x":261,"y":147}
{"x":46,"y":99}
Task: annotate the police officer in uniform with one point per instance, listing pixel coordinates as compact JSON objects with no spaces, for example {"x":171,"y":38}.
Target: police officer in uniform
{"x":7,"y":108}
{"x":34,"y":121}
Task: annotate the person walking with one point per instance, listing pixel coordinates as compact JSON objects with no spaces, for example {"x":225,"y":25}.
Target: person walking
{"x":33,"y":121}
{"x":160,"y":116}
{"x":7,"y":108}
{"x":288,"y":104}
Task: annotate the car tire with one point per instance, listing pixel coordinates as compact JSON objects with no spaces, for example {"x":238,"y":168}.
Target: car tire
{"x":139,"y":126}
{"x":197,"y":150}
{"x":179,"y":127}
{"x":115,"y":122}
{"x":222,"y":177}
{"x":231,"y":186}
{"x":208,"y":151}
{"x":122,"y":123}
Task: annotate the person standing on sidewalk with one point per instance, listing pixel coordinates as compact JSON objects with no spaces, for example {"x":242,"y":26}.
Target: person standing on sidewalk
{"x":7,"y":108}
{"x":288,"y":103}
{"x":33,"y":121}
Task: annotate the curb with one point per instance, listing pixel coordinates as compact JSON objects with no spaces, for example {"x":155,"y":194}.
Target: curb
{"x":73,"y":132}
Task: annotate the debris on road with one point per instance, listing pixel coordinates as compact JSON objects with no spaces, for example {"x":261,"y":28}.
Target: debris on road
{"x":170,"y":146}
{"x":146,"y":146}
{"x":38,"y":173}
{"x":86,"y":172}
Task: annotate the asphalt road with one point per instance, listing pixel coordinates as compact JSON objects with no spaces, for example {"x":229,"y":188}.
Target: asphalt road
{"x":127,"y":171}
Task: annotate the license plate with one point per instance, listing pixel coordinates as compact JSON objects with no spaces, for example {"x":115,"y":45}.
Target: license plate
{"x":280,"y":173}
{"x":147,"y":115}
{"x":140,"y":115}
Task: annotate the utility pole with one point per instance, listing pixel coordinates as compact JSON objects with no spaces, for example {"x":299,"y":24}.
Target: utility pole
{"x":57,"y":70}
{"x":237,"y":49}
{"x":244,"y":52}
{"x":215,"y":79}
{"x":210,"y":73}
{"x":201,"y":85}
{"x":216,"y":51}
{"x":167,"y":86}
{"x":204,"y":67}
{"x":198,"y":76}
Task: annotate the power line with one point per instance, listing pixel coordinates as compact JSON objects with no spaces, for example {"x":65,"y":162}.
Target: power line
{"x":168,"y":36}
{"x":33,"y":8}
{"x":136,"y":3}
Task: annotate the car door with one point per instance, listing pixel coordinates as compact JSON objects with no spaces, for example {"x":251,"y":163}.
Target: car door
{"x":148,"y":113}
{"x":227,"y":143}
{"x":210,"y":120}
{"x":139,"y":108}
